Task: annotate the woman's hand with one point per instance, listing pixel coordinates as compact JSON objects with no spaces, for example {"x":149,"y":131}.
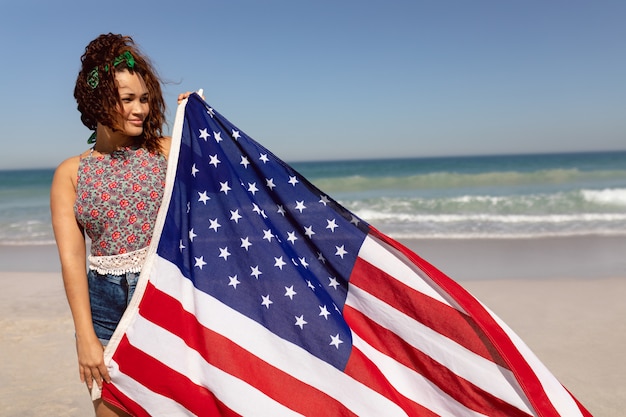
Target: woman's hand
{"x":91,"y":362}
{"x":183,"y":96}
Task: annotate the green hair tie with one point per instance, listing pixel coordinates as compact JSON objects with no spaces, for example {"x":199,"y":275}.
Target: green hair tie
{"x":93,"y":79}
{"x":125,"y":57}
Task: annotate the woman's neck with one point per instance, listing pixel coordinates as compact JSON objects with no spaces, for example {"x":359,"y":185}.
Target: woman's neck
{"x":108,"y":141}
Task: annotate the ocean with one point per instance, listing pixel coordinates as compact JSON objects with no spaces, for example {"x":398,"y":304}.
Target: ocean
{"x":509,"y":196}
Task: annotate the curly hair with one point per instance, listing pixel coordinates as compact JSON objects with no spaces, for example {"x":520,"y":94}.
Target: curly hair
{"x":100,"y":104}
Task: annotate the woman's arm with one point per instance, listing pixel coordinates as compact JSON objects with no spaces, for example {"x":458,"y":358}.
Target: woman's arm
{"x":72,"y":253}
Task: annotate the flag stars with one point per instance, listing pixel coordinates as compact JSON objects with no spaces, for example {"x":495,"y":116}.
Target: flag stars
{"x":204,"y":134}
{"x":324,"y":200}
{"x":267,"y":234}
{"x":300,"y":206}
{"x":233,"y":281}
{"x":211,"y":112}
{"x":263,"y":158}
{"x":293,"y":180}
{"x":355,"y":221}
{"x":252,"y":188}
{"x":214,"y":160}
{"x":332,"y":225}
{"x":303,"y":262}
{"x":333,"y":282}
{"x":203,"y":197}
{"x":235,"y":134}
{"x":320,"y":257}
{"x":281,"y":210}
{"x":214,"y":224}
{"x":289,"y":292}
{"x":258,"y":210}
{"x":291,"y":236}
{"x":192,"y":235}
{"x":194,"y":170}
{"x":308,"y":231}
{"x":335,"y":341}
{"x":300,"y":322}
{"x":181,"y":246}
{"x":266,"y":301}
{"x":244,"y":162}
{"x":269,"y":183}
{"x":235,"y":216}
{"x":324,"y":312}
{"x":224,"y":253}
{"x":200,"y":262}
{"x":218,"y":136}
{"x":245,"y":243}
{"x":224,"y":187}
{"x":255,"y":272}
{"x":341,"y":251}
{"x":279,"y":263}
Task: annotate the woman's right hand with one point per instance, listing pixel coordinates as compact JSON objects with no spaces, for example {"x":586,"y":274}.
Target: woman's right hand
{"x":91,"y":362}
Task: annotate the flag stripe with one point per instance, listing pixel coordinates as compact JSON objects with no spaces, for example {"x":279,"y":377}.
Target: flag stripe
{"x":524,"y":373}
{"x":229,"y":388}
{"x":363,"y":369}
{"x":149,"y":372}
{"x":560,"y":397}
{"x":215,"y":349}
{"x":440,"y":317}
{"x":151,"y":402}
{"x":279,"y":353}
{"x":444,"y":380}
{"x":477,"y":370}
{"x":120,"y":400}
{"x":549,"y":387}
{"x":459,"y":360}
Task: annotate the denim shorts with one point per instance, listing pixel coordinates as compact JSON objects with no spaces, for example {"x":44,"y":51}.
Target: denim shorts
{"x":109,"y":296}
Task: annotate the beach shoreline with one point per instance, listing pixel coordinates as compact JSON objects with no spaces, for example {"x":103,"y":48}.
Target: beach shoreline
{"x":563,"y":296}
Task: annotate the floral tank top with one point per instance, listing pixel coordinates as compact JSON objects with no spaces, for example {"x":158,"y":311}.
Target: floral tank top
{"x":117,"y":200}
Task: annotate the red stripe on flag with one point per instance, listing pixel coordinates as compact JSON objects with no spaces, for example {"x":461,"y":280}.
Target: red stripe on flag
{"x":440,"y":317}
{"x":522,"y":370}
{"x":112,"y":395}
{"x":361,"y":368}
{"x":455,"y":386}
{"x":162,"y":380}
{"x":167,"y":312}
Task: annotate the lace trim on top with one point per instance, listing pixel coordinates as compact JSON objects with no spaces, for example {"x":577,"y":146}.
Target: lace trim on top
{"x":118,"y":264}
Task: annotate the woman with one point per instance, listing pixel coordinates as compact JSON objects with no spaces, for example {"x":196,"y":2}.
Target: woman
{"x":112,"y":192}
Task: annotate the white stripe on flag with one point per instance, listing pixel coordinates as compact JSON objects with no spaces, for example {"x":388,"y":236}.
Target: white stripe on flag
{"x":478,"y":370}
{"x":175,"y":354}
{"x":276,"y":351}
{"x":561,"y":399}
{"x":155,"y":404}
{"x":389,"y":260}
{"x":413,"y":385}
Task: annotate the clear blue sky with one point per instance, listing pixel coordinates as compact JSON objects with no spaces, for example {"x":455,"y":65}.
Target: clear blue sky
{"x":337,"y":79}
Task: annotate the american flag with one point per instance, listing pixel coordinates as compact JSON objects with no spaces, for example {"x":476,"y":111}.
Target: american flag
{"x":262,"y":296}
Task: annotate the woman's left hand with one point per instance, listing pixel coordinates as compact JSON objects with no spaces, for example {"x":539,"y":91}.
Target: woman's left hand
{"x":183,"y":96}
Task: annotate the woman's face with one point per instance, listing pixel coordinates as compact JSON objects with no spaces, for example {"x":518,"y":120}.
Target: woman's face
{"x":134,"y":97}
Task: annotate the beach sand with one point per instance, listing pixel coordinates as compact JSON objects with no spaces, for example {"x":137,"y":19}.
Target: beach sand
{"x":564,"y":297}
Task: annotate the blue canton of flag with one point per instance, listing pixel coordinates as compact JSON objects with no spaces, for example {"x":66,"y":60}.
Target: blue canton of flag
{"x":264,"y":240}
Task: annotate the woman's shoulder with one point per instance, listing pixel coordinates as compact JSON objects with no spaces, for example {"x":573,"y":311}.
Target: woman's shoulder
{"x":69,"y":164}
{"x":69,"y":167}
